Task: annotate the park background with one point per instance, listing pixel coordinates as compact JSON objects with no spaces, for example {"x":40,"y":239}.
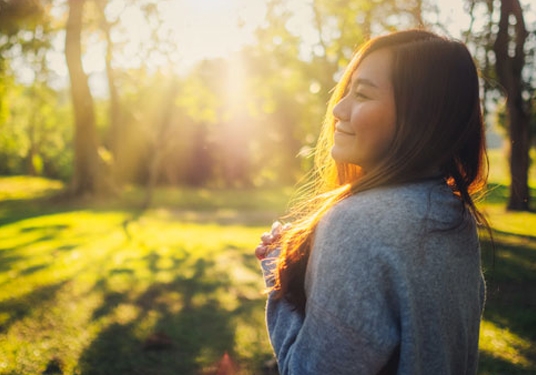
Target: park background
{"x":145,"y":146}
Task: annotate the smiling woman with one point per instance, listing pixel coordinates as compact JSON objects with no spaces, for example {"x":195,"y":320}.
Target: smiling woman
{"x":387,"y":235}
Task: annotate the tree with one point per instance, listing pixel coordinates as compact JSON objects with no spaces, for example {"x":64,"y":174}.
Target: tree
{"x":116,"y":116}
{"x":502,"y":49}
{"x":87,"y":178}
{"x":509,"y":48}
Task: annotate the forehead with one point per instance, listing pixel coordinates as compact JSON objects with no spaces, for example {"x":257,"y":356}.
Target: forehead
{"x":375,"y":68}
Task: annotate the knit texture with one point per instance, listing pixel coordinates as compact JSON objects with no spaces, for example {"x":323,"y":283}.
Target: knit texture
{"x":393,"y":285}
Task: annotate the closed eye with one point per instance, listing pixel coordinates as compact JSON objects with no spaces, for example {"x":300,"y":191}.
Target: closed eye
{"x":361,"y":96}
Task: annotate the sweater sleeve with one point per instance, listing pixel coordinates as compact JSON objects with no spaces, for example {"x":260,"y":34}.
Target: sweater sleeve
{"x":322,"y":342}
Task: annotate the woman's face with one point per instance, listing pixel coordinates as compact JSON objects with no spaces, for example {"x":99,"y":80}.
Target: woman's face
{"x":366,"y":115}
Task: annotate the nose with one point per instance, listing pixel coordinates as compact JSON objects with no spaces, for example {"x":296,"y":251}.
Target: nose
{"x":340,"y":110}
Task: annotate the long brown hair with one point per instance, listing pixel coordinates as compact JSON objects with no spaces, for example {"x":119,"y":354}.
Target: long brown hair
{"x":438,"y":123}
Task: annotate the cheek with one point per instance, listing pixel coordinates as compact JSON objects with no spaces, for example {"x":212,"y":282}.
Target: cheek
{"x":385,"y":132}
{"x":376,"y":123}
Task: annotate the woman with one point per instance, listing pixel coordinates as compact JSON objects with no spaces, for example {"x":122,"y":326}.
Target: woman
{"x":380,"y":271}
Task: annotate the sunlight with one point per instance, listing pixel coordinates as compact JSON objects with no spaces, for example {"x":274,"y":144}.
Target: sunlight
{"x":236,"y":85}
{"x":134,"y":33}
{"x":209,"y":4}
{"x":502,"y":343}
{"x":205,"y":29}
{"x":454,"y":16}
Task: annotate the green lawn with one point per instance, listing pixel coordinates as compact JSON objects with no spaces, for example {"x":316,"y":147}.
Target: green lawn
{"x":508,"y":333}
{"x":93,"y":287}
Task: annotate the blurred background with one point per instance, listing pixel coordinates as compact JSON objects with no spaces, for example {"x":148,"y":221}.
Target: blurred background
{"x":145,"y":145}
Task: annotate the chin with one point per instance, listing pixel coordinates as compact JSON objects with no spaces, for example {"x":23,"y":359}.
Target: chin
{"x":335,"y":153}
{"x":339,"y":156}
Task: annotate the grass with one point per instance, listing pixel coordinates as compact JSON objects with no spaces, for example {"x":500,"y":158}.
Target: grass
{"x":508,"y":332}
{"x":85,"y":289}
{"x":93,"y":287}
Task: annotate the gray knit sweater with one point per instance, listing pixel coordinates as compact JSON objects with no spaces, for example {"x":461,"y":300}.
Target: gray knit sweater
{"x":393,"y":286}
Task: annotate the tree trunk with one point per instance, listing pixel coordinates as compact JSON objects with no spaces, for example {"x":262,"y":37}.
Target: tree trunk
{"x":116,"y":117}
{"x":87,"y":179}
{"x":509,"y":66}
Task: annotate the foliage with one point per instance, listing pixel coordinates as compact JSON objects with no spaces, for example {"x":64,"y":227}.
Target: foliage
{"x":36,"y":134}
{"x":14,"y":14}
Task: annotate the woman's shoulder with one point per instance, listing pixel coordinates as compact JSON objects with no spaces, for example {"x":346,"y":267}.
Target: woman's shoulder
{"x":404,"y":200}
{"x":401,"y":211}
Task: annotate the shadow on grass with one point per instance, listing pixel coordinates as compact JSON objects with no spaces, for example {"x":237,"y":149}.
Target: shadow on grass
{"x":511,"y":295}
{"x":7,"y":259}
{"x":13,"y":210}
{"x":496,"y":366}
{"x":190,"y":323}
{"x":18,"y":308}
{"x":11,"y":256}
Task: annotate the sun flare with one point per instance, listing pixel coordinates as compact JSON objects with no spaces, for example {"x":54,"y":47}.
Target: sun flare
{"x":193,"y":30}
